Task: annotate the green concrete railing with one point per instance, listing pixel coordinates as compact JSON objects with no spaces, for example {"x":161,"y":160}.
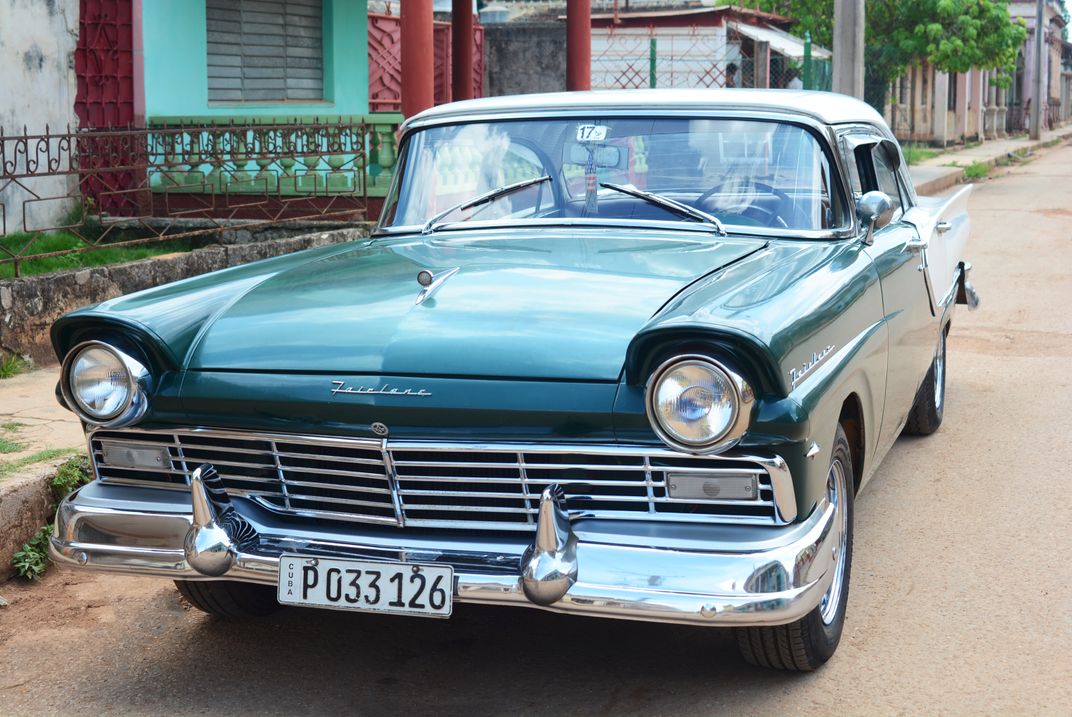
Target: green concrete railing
{"x":294,"y":156}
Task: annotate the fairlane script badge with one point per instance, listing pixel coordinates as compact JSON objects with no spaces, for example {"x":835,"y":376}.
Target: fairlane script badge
{"x":384,"y":390}
{"x":796,"y":375}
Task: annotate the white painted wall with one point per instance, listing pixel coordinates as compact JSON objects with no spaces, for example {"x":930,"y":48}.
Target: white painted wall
{"x":37,"y":87}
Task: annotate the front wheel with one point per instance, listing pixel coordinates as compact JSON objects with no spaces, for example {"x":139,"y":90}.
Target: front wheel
{"x":229,"y":598}
{"x":806,"y":644}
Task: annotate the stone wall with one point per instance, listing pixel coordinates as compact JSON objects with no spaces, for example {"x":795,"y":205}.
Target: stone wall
{"x":37,"y":88}
{"x":25,"y":505}
{"x":29,"y":305}
{"x":521,"y":58}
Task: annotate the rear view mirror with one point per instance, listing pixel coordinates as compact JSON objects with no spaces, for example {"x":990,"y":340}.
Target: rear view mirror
{"x":605,"y":156}
{"x":875,"y":210}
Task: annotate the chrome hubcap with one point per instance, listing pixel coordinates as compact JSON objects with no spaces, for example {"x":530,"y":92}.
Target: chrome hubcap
{"x":939,"y":375}
{"x":835,"y":490}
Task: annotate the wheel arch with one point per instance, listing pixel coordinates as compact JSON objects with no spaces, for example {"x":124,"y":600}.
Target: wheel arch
{"x":852,"y":422}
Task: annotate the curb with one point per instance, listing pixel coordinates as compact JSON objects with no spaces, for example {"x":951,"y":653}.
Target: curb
{"x":25,"y":505}
{"x":955,"y":175}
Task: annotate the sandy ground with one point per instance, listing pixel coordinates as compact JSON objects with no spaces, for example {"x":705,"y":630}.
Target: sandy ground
{"x":31,"y":418}
{"x":959,"y":601}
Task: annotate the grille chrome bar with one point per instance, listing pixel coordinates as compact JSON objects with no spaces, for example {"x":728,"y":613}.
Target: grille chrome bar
{"x":484,"y":486}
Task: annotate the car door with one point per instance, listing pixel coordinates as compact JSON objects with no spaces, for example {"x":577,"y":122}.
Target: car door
{"x":900,"y":258}
{"x":945,"y":221}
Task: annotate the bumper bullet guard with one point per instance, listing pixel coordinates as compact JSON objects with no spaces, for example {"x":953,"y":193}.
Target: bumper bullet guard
{"x":690,"y":573}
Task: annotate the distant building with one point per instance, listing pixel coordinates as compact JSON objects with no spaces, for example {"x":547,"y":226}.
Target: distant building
{"x":940,"y":108}
{"x":164,"y":68}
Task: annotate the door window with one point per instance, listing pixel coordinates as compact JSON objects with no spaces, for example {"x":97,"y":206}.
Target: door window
{"x":885,"y":176}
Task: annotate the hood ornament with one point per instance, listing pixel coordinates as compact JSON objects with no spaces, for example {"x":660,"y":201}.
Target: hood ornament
{"x":430,"y":283}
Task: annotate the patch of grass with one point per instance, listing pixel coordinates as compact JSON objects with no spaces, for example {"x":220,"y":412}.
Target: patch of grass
{"x":7,"y":469}
{"x":74,"y":473}
{"x":9,"y":446}
{"x":12,"y":365}
{"x":916,"y":153}
{"x":11,"y":426}
{"x":62,"y":240}
{"x":32,"y":561}
{"x":977,"y":170}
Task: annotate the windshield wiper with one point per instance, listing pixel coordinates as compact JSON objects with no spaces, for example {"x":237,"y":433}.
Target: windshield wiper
{"x":490,"y":196}
{"x":671,"y":204}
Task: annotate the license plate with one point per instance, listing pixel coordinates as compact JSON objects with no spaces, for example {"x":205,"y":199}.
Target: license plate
{"x":342,"y":584}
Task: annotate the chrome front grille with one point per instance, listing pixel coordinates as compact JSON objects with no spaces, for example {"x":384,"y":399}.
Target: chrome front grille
{"x":432,"y":485}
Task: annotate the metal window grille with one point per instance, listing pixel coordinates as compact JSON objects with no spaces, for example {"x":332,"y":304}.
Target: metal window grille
{"x":265,"y":50}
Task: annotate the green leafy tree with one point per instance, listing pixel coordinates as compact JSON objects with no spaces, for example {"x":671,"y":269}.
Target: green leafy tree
{"x":952,"y":35}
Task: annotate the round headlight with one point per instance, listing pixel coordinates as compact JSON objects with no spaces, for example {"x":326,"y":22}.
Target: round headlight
{"x":104,"y":384}
{"x":696,"y":404}
{"x":100,"y":383}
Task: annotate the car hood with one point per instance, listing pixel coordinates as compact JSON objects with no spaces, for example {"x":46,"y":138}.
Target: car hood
{"x":560,"y":304}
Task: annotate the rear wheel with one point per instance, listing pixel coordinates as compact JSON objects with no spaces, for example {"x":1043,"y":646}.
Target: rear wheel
{"x":806,"y":644}
{"x":929,"y":407}
{"x":228,"y":598}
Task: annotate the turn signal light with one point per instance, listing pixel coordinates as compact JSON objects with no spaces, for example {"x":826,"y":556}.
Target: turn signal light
{"x":712,"y":486}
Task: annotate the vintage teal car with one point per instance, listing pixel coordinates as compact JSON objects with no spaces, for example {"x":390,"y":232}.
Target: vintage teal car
{"x":624,"y":354}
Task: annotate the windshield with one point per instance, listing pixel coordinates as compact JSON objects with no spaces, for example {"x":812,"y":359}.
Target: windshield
{"x":745,"y":173}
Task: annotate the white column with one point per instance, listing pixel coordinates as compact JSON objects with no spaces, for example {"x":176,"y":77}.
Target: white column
{"x":940,"y":114}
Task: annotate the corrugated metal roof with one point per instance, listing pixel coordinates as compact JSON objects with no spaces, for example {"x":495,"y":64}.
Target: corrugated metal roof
{"x":780,"y":41}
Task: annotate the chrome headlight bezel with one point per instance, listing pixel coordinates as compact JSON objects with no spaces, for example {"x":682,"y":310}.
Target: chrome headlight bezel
{"x":743,"y":396}
{"x":138,"y":378}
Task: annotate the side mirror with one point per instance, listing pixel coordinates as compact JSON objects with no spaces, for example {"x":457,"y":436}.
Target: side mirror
{"x":875,"y":210}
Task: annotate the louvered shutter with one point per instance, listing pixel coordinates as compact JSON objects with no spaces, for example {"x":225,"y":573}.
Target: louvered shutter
{"x":264,"y":50}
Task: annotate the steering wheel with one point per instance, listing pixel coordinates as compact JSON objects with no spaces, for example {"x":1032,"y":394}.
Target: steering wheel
{"x":767,"y":217}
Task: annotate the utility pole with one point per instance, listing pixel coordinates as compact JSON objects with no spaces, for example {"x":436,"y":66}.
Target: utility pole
{"x":849,"y":47}
{"x":578,"y":45}
{"x":1040,"y":85}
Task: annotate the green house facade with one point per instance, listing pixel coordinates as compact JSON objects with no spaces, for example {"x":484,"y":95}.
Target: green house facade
{"x":296,"y":72}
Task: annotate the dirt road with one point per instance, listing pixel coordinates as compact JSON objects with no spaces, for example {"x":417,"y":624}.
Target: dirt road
{"x":960,"y":601}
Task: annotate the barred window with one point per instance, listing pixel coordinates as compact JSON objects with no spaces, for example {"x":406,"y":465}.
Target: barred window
{"x":265,"y":50}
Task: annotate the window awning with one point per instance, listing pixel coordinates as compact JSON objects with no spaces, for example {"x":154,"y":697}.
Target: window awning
{"x":780,"y":41}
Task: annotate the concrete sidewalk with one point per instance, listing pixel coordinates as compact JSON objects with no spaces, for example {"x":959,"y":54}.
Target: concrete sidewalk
{"x":935,"y":175}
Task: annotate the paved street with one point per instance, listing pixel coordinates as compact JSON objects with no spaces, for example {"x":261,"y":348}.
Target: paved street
{"x":959,"y":601}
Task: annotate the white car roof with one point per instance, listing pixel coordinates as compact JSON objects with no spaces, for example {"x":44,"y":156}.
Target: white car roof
{"x":827,"y":107}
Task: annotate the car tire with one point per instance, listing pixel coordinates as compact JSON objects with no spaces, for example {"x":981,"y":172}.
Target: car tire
{"x":929,"y":407}
{"x":809,"y":642}
{"x":229,"y":598}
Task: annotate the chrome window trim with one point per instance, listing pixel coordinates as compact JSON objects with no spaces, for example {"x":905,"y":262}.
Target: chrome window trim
{"x":824,"y":134}
{"x":781,"y":484}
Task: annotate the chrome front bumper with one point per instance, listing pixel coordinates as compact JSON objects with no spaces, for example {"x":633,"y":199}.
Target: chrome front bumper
{"x":695,"y":574}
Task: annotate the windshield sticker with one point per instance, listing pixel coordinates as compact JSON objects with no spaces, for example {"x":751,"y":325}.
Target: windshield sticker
{"x":592,"y":132}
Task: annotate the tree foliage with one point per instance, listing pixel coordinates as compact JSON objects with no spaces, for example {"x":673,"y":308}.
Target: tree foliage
{"x":952,"y":35}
